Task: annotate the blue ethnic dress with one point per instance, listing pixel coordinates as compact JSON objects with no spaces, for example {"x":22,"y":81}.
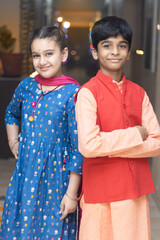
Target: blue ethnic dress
{"x":48,"y":151}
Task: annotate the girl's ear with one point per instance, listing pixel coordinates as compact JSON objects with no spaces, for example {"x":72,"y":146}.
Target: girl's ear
{"x":95,"y":54}
{"x":64,"y":54}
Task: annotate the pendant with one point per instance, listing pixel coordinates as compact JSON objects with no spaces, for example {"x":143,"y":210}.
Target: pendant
{"x":31,"y":118}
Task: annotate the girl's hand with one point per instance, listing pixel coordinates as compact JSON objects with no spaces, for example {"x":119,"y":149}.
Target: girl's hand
{"x":14,"y":149}
{"x":67,"y":206}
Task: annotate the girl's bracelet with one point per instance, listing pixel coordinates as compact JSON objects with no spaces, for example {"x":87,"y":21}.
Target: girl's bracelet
{"x":13,"y":145}
{"x":14,"y":138}
{"x":73,"y":199}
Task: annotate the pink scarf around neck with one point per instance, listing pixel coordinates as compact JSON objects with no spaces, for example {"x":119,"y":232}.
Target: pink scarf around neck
{"x":55,"y":81}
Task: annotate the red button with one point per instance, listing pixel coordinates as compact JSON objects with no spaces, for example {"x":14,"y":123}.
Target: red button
{"x":124,"y":105}
{"x":33,"y":104}
{"x":127,"y":123}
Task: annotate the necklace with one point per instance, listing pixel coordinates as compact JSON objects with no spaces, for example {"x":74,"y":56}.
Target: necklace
{"x":35,"y":104}
{"x":47,"y":91}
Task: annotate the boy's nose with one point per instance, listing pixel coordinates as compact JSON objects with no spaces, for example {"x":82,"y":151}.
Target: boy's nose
{"x":115,"y":50}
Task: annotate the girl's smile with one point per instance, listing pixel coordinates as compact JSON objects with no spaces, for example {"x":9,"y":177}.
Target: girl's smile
{"x":48,"y":57}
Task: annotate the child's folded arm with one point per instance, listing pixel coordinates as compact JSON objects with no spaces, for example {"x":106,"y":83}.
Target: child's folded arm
{"x":151,"y":146}
{"x":92,"y":142}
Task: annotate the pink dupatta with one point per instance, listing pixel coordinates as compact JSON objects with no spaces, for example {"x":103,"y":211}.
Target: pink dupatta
{"x":55,"y":81}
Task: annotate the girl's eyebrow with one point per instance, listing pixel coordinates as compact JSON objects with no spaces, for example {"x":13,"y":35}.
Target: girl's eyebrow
{"x":49,"y":50}
{"x":44,"y":51}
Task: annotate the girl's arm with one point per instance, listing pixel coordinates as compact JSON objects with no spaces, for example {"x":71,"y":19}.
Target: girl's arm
{"x":12,"y":134}
{"x":12,"y":120}
{"x":73,"y":162}
{"x":69,"y":202}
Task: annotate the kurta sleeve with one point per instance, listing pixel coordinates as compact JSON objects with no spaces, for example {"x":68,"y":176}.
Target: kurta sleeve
{"x":13,"y":111}
{"x":93,"y":142}
{"x":74,"y":163}
{"x":151,"y":146}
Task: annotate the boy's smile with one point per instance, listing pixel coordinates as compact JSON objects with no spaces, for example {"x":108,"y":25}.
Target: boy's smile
{"x":112,"y":54}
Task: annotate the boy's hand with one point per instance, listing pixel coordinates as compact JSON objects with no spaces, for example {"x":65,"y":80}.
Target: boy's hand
{"x":67,"y":206}
{"x":143,"y":132}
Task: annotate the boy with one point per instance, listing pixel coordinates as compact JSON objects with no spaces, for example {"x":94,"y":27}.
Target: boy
{"x":117,"y":131}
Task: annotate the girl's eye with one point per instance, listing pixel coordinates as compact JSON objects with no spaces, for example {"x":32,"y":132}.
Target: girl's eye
{"x":35,"y":56}
{"x":49,"y":53}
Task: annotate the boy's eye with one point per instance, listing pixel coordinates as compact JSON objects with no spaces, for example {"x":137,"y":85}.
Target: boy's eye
{"x":107,"y":45}
{"x":123,"y":46}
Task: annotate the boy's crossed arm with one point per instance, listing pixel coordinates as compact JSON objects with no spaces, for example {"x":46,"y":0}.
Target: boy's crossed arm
{"x":151,"y":145}
{"x":130,"y":142}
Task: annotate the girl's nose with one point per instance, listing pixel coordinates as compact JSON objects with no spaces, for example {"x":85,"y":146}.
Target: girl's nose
{"x":42,"y":60}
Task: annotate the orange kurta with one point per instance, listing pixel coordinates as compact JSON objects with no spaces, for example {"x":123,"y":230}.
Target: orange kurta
{"x":122,"y":220}
{"x":117,"y":149}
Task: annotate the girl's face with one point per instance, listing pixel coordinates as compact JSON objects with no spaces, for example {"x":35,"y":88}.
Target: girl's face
{"x":112,"y":54}
{"x":48,"y":57}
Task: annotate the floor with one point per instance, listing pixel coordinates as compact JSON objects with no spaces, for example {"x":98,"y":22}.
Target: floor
{"x":7,"y":167}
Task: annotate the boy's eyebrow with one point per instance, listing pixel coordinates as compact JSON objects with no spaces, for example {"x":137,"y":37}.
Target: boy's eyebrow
{"x":110,"y":41}
{"x":124,"y":41}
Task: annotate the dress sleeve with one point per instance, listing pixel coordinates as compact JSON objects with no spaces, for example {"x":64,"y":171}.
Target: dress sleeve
{"x":75,"y":158}
{"x":13,"y":111}
{"x":93,"y":142}
{"x":151,"y":146}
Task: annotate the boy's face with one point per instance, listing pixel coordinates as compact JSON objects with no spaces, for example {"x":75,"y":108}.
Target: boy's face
{"x":112,"y":54}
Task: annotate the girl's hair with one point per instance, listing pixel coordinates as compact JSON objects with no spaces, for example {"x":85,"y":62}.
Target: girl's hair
{"x":49,"y":32}
{"x":111,"y":26}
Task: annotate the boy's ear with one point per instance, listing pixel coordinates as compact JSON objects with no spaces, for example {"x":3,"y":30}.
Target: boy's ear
{"x":95,"y":54}
{"x":129,"y":54}
{"x":64,"y":54}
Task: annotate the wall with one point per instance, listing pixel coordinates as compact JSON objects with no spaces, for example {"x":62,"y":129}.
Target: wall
{"x":156,"y":161}
{"x":9,"y":15}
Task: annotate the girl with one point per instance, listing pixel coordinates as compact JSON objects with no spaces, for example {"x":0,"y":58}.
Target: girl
{"x":42,"y":194}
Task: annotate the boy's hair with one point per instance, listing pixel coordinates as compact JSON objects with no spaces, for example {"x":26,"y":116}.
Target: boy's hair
{"x":49,"y":32}
{"x":111,"y":26}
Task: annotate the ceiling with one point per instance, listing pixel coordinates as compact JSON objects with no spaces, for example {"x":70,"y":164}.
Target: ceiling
{"x":79,"y":18}
{"x":80,"y":13}
{"x":79,"y":5}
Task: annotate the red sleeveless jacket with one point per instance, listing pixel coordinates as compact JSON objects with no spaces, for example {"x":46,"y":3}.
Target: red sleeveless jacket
{"x":114,"y":179}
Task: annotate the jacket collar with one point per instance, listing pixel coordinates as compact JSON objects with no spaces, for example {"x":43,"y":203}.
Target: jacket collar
{"x":107,"y":79}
